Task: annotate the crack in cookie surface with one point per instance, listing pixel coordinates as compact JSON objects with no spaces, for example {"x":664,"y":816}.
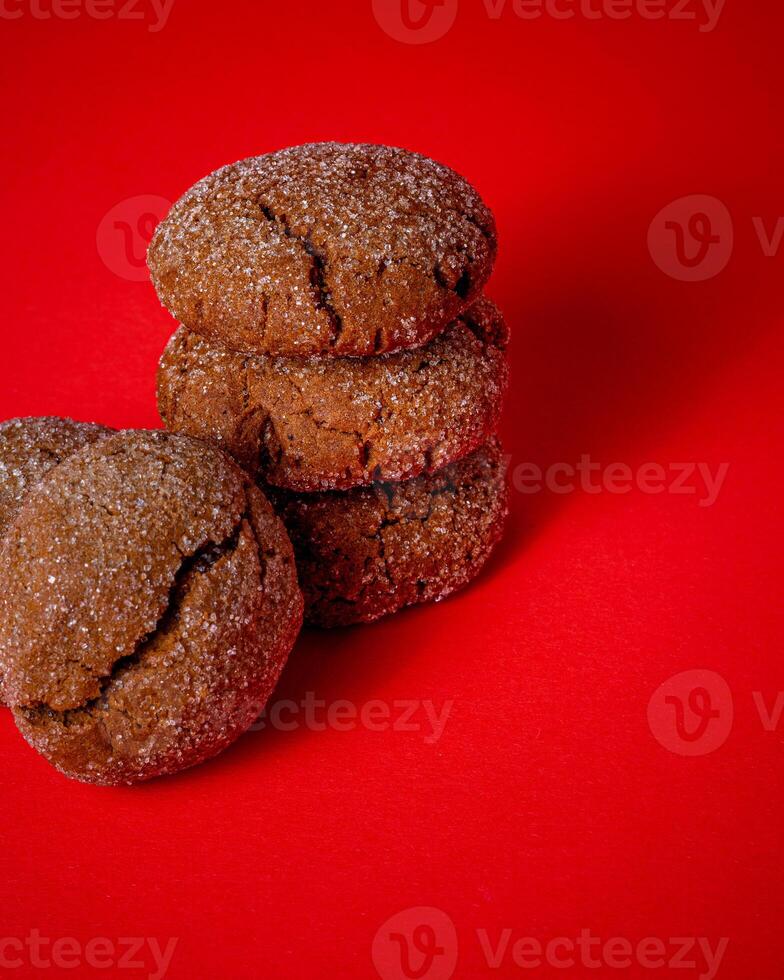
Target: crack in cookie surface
{"x":99,"y":545}
{"x":394,"y":246}
{"x":148,"y":602}
{"x":324,"y":423}
{"x":200,"y":562}
{"x":371,"y":551}
{"x":318,"y":271}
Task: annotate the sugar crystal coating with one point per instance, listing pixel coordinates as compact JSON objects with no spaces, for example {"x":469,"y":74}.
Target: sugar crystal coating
{"x":326,"y":423}
{"x":29,"y":449}
{"x":148,"y":602}
{"x":341,"y":249}
{"x":371,"y":551}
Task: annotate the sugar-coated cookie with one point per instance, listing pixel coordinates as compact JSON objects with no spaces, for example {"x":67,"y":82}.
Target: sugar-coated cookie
{"x":334,"y":423}
{"x":29,"y":449}
{"x":373,"y":550}
{"x":148,"y":602}
{"x":327,"y":248}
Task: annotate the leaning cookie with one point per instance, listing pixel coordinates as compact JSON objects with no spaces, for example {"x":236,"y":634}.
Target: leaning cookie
{"x":327,"y":248}
{"x":370,"y":552}
{"x":148,"y":602}
{"x":335,"y":423}
{"x":29,"y":449}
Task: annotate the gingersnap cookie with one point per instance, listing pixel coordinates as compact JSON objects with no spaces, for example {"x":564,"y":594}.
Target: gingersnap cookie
{"x":335,"y":423}
{"x":373,"y":550}
{"x":327,"y":248}
{"x":29,"y":449}
{"x":148,"y":602}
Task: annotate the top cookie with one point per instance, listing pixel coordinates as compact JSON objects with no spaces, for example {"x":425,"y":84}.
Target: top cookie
{"x":327,"y":248}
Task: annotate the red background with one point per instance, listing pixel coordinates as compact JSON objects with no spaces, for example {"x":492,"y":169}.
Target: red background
{"x":547,"y":806}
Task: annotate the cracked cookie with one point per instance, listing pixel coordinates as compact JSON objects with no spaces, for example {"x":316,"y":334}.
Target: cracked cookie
{"x":334,"y":423}
{"x":148,"y":602}
{"x":327,"y":248}
{"x":370,"y":552}
{"x":29,"y":449}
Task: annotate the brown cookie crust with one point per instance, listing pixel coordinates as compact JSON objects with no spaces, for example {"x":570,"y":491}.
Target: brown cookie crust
{"x":337,"y":423}
{"x":327,"y":248}
{"x":148,"y":602}
{"x":29,"y":449}
{"x":370,"y":552}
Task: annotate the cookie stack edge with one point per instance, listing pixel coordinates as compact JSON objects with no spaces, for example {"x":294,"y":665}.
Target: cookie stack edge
{"x":335,"y":341}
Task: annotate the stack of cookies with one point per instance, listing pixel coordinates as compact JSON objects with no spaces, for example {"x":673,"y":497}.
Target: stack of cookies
{"x":335,"y":341}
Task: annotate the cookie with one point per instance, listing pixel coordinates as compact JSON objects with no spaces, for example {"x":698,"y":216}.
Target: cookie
{"x":373,"y":550}
{"x":29,"y":449}
{"x":335,"y":423}
{"x":148,"y":602}
{"x":327,"y":248}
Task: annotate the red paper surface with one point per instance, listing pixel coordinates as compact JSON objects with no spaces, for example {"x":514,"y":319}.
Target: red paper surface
{"x":561,"y":805}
